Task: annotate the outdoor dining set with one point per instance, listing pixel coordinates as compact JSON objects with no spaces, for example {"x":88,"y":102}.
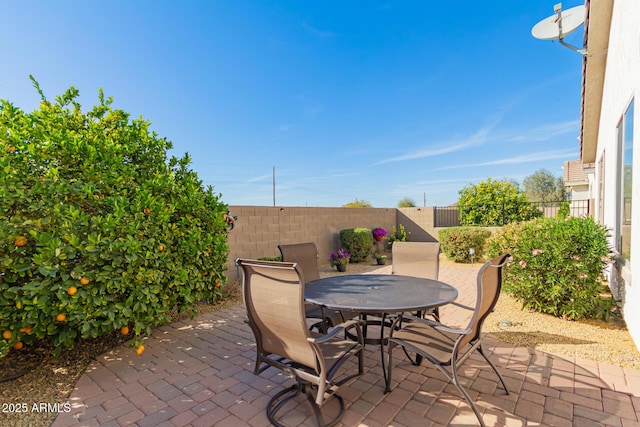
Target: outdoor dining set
{"x":315,"y":329}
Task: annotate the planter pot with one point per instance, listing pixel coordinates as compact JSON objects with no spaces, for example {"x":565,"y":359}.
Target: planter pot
{"x":381,"y":261}
{"x":378,"y":238}
{"x":341,"y":267}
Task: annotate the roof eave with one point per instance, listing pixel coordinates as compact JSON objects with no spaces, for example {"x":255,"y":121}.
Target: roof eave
{"x":596,"y":35}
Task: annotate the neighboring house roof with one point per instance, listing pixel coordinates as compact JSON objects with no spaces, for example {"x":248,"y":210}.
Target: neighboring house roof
{"x":574,"y":173}
{"x":596,"y":38}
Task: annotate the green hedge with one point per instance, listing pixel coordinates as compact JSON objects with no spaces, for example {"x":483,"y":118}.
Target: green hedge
{"x":358,"y":242}
{"x":456,"y":242}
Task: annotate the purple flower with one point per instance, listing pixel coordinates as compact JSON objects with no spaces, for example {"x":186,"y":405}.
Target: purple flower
{"x":379,"y":232}
{"x":341,"y":256}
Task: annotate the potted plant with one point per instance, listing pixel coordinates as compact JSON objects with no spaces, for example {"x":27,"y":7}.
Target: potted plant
{"x":381,"y":259}
{"x":340,"y":259}
{"x":378,"y":233}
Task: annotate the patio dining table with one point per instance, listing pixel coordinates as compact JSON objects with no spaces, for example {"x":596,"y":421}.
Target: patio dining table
{"x":379,"y":294}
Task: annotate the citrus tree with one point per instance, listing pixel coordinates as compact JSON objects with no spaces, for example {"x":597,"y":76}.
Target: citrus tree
{"x":494,"y":202}
{"x":99,"y":230}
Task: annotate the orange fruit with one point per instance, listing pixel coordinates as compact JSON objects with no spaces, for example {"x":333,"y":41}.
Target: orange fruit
{"x":18,"y":305}
{"x":218,"y":284}
{"x":12,"y":148}
{"x":61,"y":317}
{"x":25,"y":330}
{"x":18,"y":345}
{"x":84,"y":281}
{"x":161,"y":248}
{"x":147,"y":211}
{"x":139,"y":350}
{"x":21,"y":241}
{"x":7,"y":334}
{"x":72,"y":290}
{"x":124,"y":330}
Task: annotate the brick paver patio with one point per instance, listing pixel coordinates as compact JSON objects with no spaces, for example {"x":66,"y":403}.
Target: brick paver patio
{"x":199,"y":373}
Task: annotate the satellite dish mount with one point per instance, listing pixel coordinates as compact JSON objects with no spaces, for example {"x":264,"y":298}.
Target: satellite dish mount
{"x":563,"y":23}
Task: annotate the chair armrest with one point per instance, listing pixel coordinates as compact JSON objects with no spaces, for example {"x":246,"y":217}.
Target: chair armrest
{"x":466,"y":307}
{"x":410,"y":318}
{"x":338,"y":329}
{"x":448,"y":329}
{"x":436,"y":325}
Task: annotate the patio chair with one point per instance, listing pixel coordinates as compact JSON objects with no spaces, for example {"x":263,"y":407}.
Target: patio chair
{"x":273,"y":294}
{"x":306,"y":256}
{"x":446,"y":346}
{"x":418,"y":259}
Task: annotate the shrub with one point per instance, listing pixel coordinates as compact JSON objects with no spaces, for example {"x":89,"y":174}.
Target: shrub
{"x":398,"y":235}
{"x":98,"y":230}
{"x":358,"y":242}
{"x":557,"y":266}
{"x":503,"y":240}
{"x":456,"y":242}
{"x":565,"y":210}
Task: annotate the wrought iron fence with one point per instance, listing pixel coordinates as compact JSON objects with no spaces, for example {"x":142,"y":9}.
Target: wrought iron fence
{"x":449,"y":216}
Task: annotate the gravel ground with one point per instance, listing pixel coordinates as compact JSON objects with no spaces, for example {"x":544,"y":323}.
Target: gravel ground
{"x":595,"y":340}
{"x":50,"y":380}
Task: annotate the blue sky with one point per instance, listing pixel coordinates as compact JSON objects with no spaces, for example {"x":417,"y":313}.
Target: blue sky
{"x":374,"y":100}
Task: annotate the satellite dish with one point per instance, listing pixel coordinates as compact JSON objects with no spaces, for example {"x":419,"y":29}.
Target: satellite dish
{"x":563,"y":23}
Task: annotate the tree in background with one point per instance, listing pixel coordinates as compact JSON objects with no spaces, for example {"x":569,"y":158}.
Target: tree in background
{"x":542,"y":186}
{"x":407,"y":203}
{"x":494,"y":202}
{"x":358,"y":204}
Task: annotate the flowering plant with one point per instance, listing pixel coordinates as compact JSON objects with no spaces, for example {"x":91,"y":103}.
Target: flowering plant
{"x":557,"y":266}
{"x":341,"y":256}
{"x":378,"y":256}
{"x":379,"y":232}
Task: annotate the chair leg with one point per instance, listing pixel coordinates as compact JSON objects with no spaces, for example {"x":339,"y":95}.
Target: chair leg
{"x":321,"y":327}
{"x":387,"y":370}
{"x":504,"y":385}
{"x":279,"y":400}
{"x":418,"y":359}
{"x":454,"y":379}
{"x":314,"y":406}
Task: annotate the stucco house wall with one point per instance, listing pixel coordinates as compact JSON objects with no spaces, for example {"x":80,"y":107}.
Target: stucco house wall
{"x":621,"y":86}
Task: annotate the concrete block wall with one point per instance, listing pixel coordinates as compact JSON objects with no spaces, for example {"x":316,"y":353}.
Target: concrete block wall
{"x":419,"y":222}
{"x":260,"y":229}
